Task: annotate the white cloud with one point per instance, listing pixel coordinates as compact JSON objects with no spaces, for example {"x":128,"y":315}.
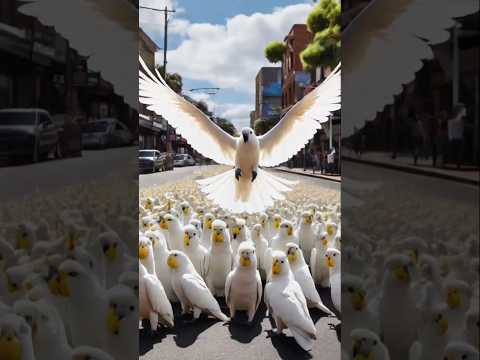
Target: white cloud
{"x":230,"y":55}
{"x":152,"y":22}
{"x":238,"y":114}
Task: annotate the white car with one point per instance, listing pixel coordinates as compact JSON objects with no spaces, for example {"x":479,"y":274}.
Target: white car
{"x":183,"y":160}
{"x":105,"y":133}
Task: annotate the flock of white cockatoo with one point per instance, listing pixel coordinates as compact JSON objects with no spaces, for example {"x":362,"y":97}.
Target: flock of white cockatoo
{"x":193,"y":252}
{"x":68,"y":278}
{"x":410,"y":276}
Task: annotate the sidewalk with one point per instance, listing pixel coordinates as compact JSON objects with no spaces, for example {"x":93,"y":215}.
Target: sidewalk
{"x":466,"y":174}
{"x":309,"y":172}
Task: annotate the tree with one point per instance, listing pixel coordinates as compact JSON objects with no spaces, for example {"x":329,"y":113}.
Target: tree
{"x":226,"y":125}
{"x":274,"y":51}
{"x":174,"y":80}
{"x":324,"y":22}
{"x":261,"y":126}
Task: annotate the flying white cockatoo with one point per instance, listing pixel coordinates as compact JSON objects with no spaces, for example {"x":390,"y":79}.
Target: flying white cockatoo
{"x":246,"y":187}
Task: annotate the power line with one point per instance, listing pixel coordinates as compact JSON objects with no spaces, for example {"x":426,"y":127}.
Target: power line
{"x":165,"y":35}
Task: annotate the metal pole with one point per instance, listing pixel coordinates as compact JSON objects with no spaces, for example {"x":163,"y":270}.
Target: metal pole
{"x":455,"y":65}
{"x":165,"y":37}
{"x":476,"y":121}
{"x":330,"y":132}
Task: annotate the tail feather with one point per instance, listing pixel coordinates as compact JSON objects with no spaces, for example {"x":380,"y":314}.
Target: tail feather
{"x":243,"y":195}
{"x":303,"y":339}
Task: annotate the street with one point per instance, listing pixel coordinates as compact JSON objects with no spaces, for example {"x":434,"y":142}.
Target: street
{"x":21,"y":180}
{"x":210,"y":339}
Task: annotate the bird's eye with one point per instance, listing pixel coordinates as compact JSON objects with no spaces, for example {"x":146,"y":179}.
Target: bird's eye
{"x":282,"y":261}
{"x":175,"y":255}
{"x":73,"y":274}
{"x":132,"y":308}
{"x":251,"y":132}
{"x":334,"y":254}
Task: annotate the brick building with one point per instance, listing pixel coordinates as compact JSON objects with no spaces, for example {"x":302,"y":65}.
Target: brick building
{"x":268,"y":94}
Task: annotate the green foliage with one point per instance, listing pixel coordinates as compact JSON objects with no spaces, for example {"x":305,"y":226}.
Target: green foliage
{"x":173,"y":80}
{"x":274,"y":51}
{"x":226,"y":125}
{"x":261,"y":126}
{"x":324,"y":22}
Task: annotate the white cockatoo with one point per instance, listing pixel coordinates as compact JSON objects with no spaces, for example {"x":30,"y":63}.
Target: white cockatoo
{"x":398,"y":313}
{"x":243,"y":287}
{"x":458,"y":350}
{"x":356,"y":308}
{"x":246,"y":188}
{"x":240,"y":233}
{"x":367,"y":345}
{"x":305,"y":234}
{"x":302,"y":275}
{"x":194,"y":250}
{"x":15,"y":338}
{"x":219,"y":260}
{"x":333,"y":260}
{"x":152,"y":300}
{"x":261,"y":245}
{"x":191,"y":289}
{"x":207,"y":229}
{"x":320,"y":272}
{"x":287,"y":304}
{"x":174,"y":227}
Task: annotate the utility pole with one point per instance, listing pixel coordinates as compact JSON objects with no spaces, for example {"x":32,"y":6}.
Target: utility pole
{"x":165,"y":34}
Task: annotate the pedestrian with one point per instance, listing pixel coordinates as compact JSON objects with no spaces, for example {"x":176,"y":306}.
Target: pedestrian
{"x":331,"y":160}
{"x":416,"y":133}
{"x":455,"y":133}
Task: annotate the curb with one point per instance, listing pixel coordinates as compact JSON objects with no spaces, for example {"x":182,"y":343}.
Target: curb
{"x":417,"y":171}
{"x":323,"y":177}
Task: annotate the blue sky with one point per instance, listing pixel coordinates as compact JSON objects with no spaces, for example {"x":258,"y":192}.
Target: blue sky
{"x":219,"y":43}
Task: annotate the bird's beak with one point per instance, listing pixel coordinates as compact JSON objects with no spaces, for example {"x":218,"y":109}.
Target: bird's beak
{"x":292,"y":256}
{"x":276,"y":267}
{"x":454,"y":300}
{"x":113,"y":321}
{"x":110,"y":252}
{"x":290,"y":231}
{"x":63,"y":288}
{"x":330,"y":262}
{"x":245,"y":137}
{"x":164,"y":224}
{"x":10,"y":347}
{"x":402,"y":274}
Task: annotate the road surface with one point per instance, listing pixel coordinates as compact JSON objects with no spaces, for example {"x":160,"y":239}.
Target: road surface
{"x":209,"y":339}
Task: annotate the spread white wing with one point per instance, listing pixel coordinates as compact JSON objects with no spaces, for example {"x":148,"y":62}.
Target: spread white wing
{"x":383,"y":48}
{"x":200,"y":132}
{"x":104,"y":30}
{"x":301,"y":122}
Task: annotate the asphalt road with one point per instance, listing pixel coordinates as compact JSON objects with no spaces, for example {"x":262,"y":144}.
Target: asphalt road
{"x":50,"y":175}
{"x":210,"y":339}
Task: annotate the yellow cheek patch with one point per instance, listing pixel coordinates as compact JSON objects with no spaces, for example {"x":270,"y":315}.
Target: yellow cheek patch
{"x":276,"y":268}
{"x":330,"y":229}
{"x":172,"y":262}
{"x":186,"y":240}
{"x":63,"y":288}
{"x":10,"y":348}
{"x":277,"y":224}
{"x":142,"y":252}
{"x":111,"y":253}
{"x":401,"y":274}
{"x":443,"y":324}
{"x":358,"y":301}
{"x":454,"y":300}
{"x":113,"y":322}
{"x":324,"y":242}
{"x":244,"y":261}
{"x":218,"y":237}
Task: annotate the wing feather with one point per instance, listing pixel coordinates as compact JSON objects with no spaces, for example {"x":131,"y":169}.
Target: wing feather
{"x":200,"y":132}
{"x":383,"y":48}
{"x":301,"y":122}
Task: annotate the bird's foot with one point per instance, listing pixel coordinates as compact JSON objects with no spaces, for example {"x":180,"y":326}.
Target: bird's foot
{"x":254,"y":175}
{"x":238,"y":173}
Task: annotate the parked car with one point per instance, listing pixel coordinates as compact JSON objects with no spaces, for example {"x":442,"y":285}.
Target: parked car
{"x":183,"y":160}
{"x":28,"y":133}
{"x":103,"y":133}
{"x":154,"y":160}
